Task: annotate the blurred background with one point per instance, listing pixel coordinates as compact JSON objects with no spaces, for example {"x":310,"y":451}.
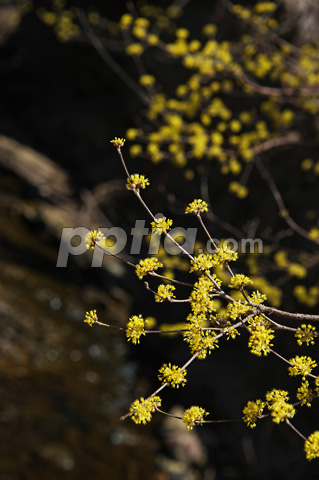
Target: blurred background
{"x":64,"y":385}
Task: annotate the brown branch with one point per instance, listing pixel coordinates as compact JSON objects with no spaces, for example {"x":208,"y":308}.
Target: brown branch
{"x":304,"y":317}
{"x":291,"y":138}
{"x":275,"y":91}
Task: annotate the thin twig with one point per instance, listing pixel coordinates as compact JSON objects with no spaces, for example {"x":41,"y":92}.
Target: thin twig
{"x":295,"y":429}
{"x":279,"y":200}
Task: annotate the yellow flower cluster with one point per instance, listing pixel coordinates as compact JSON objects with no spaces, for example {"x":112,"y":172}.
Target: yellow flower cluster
{"x":92,"y":237}
{"x":309,"y":297}
{"x":135,"y":328}
{"x":231,"y":332}
{"x":196,"y":122}
{"x":136,"y":181}
{"x":294,"y":269}
{"x":239,"y":281}
{"x":236,"y":309}
{"x":200,"y":341}
{"x":265,"y":7}
{"x":198,"y":206}
{"x":301,"y":366}
{"x":260,"y":338}
{"x":277,"y":404}
{"x":140,"y":30}
{"x":91,"y":317}
{"x":253,"y":411}
{"x":202,"y":262}
{"x":201,"y":295}
{"x":141,"y":410}
{"x":224,"y":255}
{"x":161,"y":225}
{"x":164,"y":292}
{"x":146,"y":266}
{"x":312,"y":446}
{"x":304,"y":394}
{"x":306,"y":334}
{"x":62,"y":21}
{"x":241,"y":191}
{"x":194,"y":416}
{"x":172,"y":375}
{"x":118,"y":142}
{"x":257,"y":297}
{"x":279,"y":408}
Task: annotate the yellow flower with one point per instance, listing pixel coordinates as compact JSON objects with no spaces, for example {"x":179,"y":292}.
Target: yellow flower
{"x":301,"y":366}
{"x":235,"y":126}
{"x":134,"y":49}
{"x":172,"y":375}
{"x":202,"y":262}
{"x":132,"y":133}
{"x":49,"y":18}
{"x":142,"y":22}
{"x":147,"y":266}
{"x":199,"y":340}
{"x":257,"y":297}
{"x":136,"y":182}
{"x":141,"y":410}
{"x":135,"y":150}
{"x":314,"y":234}
{"x":278,"y":406}
{"x":312,"y":446}
{"x":239,"y":281}
{"x":225,"y":254}
{"x":306,"y":334}
{"x":182,"y":33}
{"x":193,"y":416}
{"x":259,"y":341}
{"x":240,"y":190}
{"x":126,"y":20}
{"x":304,"y":394}
{"x":161,"y":225}
{"x":92,"y":237}
{"x":265,"y":7}
{"x":152,"y":39}
{"x":276,"y":395}
{"x":236,"y":309}
{"x":91,"y":317}
{"x":147,"y":80}
{"x":252,"y":412}
{"x":118,"y":142}
{"x":297,"y":270}
{"x":231,"y":333}
{"x":135,"y":328}
{"x":282,"y":410}
{"x":197,"y":206}
{"x":201,"y":295}
{"x":209,"y":30}
{"x":164,"y":292}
